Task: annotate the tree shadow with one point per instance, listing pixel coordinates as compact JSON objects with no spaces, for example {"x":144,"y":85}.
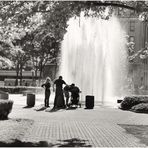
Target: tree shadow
{"x":74,"y":142}
{"x":18,"y":143}
{"x":139,"y":131}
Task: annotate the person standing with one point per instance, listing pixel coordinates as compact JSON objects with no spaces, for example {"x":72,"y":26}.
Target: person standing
{"x":47,"y":86}
{"x":59,"y":101}
{"x":66,"y":93}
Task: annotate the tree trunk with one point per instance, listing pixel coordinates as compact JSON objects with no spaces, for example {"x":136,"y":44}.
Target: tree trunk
{"x":36,"y":70}
{"x":21,"y":75}
{"x":40,"y":77}
{"x":16,"y":81}
{"x":17,"y":74}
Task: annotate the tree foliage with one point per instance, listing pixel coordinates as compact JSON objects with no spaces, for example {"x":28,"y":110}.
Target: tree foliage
{"x":38,"y":27}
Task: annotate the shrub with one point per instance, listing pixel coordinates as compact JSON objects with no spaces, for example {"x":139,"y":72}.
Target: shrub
{"x":5,"y":108}
{"x":140,"y":108}
{"x":130,"y":101}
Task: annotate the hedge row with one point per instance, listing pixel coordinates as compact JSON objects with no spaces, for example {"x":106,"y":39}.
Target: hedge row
{"x":135,"y":103}
{"x":140,"y":108}
{"x":18,"y":90}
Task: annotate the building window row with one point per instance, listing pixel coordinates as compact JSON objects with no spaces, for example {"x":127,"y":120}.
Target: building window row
{"x":132,"y":26}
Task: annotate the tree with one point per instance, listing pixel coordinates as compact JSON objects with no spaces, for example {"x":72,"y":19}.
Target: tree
{"x":21,"y":54}
{"x":45,"y":51}
{"x":5,"y":55}
{"x":47,"y":20}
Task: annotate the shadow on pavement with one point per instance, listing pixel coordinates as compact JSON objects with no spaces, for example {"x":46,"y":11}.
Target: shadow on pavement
{"x":52,"y":110}
{"x":71,"y":108}
{"x":88,"y":108}
{"x":139,"y":131}
{"x":27,"y":106}
{"x":40,"y":108}
{"x":74,"y":142}
{"x":18,"y":143}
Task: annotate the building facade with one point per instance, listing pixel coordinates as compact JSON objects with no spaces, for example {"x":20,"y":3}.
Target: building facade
{"x":138,"y":33}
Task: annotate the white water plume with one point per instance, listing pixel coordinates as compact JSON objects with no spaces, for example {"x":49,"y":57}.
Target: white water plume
{"x":94,"y":57}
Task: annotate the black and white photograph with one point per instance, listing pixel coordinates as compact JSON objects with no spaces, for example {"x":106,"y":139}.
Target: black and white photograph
{"x":73,"y":73}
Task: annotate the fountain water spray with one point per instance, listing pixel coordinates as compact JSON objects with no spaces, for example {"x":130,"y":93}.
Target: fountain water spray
{"x":94,"y":57}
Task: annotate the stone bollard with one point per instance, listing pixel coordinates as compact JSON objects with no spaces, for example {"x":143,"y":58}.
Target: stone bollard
{"x":4,"y":96}
{"x":89,"y":102}
{"x":30,"y":100}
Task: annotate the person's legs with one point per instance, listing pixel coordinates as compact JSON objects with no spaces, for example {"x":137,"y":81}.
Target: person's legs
{"x":55,"y":100}
{"x":75,"y":99}
{"x":47,"y":95}
{"x":45,"y":99}
{"x":45,"y":102}
{"x":67,"y":97}
{"x":67,"y":100}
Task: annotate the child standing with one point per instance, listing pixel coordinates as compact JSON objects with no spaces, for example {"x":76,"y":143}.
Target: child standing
{"x":47,"y":86}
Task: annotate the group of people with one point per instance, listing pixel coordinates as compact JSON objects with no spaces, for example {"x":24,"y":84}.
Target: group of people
{"x":69,"y":91}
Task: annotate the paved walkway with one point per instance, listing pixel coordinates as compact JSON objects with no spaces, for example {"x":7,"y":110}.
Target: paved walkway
{"x":94,"y":128}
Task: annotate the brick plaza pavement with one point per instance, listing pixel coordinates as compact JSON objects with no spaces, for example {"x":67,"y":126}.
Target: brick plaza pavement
{"x":94,"y":128}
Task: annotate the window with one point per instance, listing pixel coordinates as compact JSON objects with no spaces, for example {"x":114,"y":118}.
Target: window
{"x":132,"y":13}
{"x":132,"y":25}
{"x":131,"y":39}
{"x":120,"y":11}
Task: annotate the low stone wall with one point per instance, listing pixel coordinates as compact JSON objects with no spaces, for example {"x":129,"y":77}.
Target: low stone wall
{"x":22,"y":89}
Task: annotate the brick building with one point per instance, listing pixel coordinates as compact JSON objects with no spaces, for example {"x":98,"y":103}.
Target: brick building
{"x":138,"y":33}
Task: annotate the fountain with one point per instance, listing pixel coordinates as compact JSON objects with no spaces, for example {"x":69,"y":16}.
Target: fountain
{"x":94,"y":57}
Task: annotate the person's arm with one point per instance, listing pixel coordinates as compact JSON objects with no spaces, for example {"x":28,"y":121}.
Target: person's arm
{"x":64,"y":82}
{"x":43,"y":85}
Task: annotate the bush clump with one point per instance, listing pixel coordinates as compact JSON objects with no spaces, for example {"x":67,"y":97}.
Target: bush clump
{"x":130,"y":101}
{"x":5,"y":108}
{"x":140,"y":108}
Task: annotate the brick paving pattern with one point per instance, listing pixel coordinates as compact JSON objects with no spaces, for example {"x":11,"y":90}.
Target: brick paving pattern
{"x":94,"y":128}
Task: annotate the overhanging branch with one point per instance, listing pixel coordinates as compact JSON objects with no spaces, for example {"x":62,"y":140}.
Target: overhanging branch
{"x":138,"y":7}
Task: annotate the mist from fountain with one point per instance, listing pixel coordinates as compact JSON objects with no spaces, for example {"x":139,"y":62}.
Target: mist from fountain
{"x":93,"y":56}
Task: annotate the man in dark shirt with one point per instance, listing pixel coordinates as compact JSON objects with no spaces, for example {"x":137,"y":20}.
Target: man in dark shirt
{"x":74,"y":94}
{"x":59,"y":101}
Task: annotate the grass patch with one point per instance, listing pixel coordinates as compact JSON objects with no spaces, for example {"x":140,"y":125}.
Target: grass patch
{"x":13,"y":129}
{"x":139,"y":131}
